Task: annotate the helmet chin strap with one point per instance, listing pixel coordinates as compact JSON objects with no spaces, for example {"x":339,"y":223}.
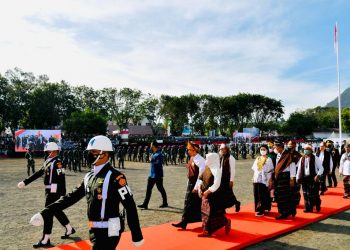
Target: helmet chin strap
{"x":49,"y":156}
{"x":98,"y":157}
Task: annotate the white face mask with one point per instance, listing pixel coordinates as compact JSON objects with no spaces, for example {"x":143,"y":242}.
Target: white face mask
{"x":263,"y":152}
{"x":275,"y":150}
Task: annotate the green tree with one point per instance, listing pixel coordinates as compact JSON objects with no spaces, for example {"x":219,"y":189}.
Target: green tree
{"x":86,"y":98}
{"x":85,"y":123}
{"x":300,"y":123}
{"x":346,"y":119}
{"x":127,"y":106}
{"x":174,"y":109}
{"x":265,"y":111}
{"x":149,"y":108}
{"x":4,"y":104}
{"x":21,"y":85}
{"x":49,"y":104}
{"x":106,"y":102}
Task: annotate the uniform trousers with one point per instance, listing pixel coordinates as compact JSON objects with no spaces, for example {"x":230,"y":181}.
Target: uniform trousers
{"x":323,"y":187}
{"x":59,"y":214}
{"x":100,"y":240}
{"x":332,"y":178}
{"x":30,"y":165}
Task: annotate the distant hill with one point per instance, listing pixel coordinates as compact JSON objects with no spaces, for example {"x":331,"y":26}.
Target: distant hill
{"x":345,"y":100}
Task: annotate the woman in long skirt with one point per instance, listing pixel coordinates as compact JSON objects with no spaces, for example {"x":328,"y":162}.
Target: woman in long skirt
{"x":263,"y":169}
{"x":213,"y":217}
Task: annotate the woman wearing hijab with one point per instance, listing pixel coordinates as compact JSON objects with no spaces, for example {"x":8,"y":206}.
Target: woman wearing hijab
{"x":263,"y":169}
{"x":213,"y":218}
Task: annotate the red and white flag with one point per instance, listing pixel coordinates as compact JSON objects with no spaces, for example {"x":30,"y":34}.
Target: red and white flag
{"x":336,"y":37}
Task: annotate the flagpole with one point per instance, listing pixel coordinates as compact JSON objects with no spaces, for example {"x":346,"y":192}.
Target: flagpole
{"x":338,"y":76}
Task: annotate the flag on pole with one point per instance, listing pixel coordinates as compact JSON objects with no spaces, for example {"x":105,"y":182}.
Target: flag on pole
{"x":336,"y":37}
{"x":338,"y":76}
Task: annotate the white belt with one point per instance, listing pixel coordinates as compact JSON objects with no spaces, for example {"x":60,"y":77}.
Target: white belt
{"x":98,"y":224}
{"x":48,"y":186}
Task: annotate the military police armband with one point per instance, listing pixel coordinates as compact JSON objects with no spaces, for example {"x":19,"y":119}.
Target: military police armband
{"x":124,"y":191}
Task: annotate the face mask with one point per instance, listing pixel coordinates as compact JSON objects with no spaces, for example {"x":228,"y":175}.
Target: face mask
{"x":307,"y":152}
{"x":263,"y":152}
{"x":47,"y":155}
{"x":93,"y":158}
{"x":275,"y":150}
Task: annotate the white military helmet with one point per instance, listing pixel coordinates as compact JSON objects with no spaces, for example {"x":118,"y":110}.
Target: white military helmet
{"x":100,"y":142}
{"x":51,"y":146}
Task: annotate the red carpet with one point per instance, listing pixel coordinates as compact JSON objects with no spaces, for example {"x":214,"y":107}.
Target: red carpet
{"x":247,"y":229}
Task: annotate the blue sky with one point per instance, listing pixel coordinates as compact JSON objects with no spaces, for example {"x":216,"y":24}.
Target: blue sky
{"x":281,"y":49}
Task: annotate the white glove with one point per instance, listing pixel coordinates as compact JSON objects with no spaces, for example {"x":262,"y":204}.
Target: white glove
{"x":139,"y":243}
{"x":37,"y":220}
{"x":21,"y":185}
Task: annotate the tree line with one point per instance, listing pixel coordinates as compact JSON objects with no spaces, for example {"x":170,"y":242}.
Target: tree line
{"x":29,"y":101}
{"x":320,"y":119}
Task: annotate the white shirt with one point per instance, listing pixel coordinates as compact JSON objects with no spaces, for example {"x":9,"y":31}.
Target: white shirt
{"x":97,"y":169}
{"x":265,"y":174}
{"x":321,"y":157}
{"x":344,"y":167}
{"x":318,"y":167}
{"x":200,"y":162}
{"x":51,"y":168}
{"x":343,"y":158}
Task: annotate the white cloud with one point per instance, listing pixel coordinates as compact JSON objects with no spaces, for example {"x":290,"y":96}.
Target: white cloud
{"x":161,"y":47}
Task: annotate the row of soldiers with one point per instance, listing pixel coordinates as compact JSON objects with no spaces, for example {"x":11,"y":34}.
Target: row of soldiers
{"x":74,"y":158}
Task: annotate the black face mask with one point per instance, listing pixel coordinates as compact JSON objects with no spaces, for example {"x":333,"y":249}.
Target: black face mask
{"x":47,"y":154}
{"x":91,"y":158}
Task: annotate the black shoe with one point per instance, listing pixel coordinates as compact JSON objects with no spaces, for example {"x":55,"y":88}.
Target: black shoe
{"x":40,"y":244}
{"x":238,"y":206}
{"x":282,"y":217}
{"x":307,"y":211}
{"x":259,"y":214}
{"x":322,"y":193}
{"x":66,"y":236}
{"x":318,"y":206}
{"x":143,"y":206}
{"x":335,"y":185}
{"x":294,"y":213}
{"x":163,"y":205}
{"x":181,"y":224}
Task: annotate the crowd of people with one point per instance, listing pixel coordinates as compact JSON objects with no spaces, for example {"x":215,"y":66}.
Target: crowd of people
{"x":281,"y":171}
{"x":7,"y":145}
